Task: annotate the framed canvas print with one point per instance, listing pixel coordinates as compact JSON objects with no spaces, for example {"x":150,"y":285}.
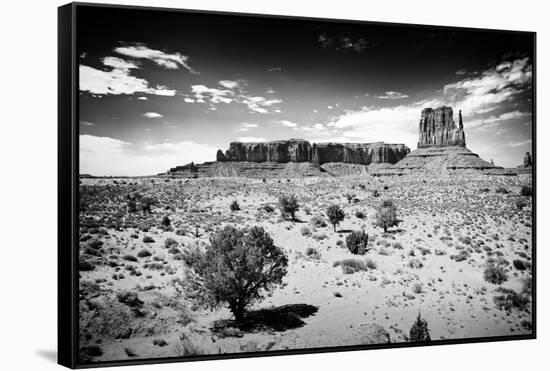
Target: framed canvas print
{"x":235,"y":185}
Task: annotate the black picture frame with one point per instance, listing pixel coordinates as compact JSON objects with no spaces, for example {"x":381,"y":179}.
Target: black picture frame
{"x":68,"y":195}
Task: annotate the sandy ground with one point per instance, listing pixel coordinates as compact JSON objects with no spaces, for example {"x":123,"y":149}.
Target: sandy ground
{"x":416,"y":270}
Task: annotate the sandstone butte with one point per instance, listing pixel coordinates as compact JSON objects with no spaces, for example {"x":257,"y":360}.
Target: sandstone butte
{"x":441,"y":148}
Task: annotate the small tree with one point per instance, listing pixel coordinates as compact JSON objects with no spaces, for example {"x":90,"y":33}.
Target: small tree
{"x":386,"y":215}
{"x":289,"y":206}
{"x":335,"y":214}
{"x":236,"y":269}
{"x":419,"y":331}
{"x":349,"y":197}
{"x":166,"y":221}
{"x":357,"y":242}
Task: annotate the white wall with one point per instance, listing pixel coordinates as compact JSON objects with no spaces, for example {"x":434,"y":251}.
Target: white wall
{"x":28,"y":186}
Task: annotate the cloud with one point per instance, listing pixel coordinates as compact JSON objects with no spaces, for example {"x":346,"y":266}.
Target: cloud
{"x":163,"y":59}
{"x":152,"y":115}
{"x":275,"y":69}
{"x":109,"y":156}
{"x":234,"y":92}
{"x":392,"y":95}
{"x":189,"y":100}
{"x":251,"y":139}
{"x":493,"y":120}
{"x":519,"y":144}
{"x":245,"y":126}
{"x":288,"y":124}
{"x":87,"y":123}
{"x":229,"y":84}
{"x":461,"y":72}
{"x":117,"y":81}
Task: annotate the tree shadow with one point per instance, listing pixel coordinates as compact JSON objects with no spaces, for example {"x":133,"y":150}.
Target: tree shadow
{"x":279,"y":319}
{"x":344,"y":231}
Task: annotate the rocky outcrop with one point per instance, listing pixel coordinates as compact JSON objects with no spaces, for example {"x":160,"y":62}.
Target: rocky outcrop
{"x":437,"y":128}
{"x":358,"y":153}
{"x":527,"y":161}
{"x":297,"y":150}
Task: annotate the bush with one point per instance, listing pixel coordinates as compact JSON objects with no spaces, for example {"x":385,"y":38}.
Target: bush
{"x":318,"y":222}
{"x":217,"y":280}
{"x":386,"y":215}
{"x":132,"y":206}
{"x":148,"y":239}
{"x":86,"y":353}
{"x":419,"y":331}
{"x":520,"y":204}
{"x":349,"y":197}
{"x":288,"y":204}
{"x":313,"y":253}
{"x":305,"y":231}
{"x":143,"y":253}
{"x":359,"y":214}
{"x":495,"y":273}
{"x":510,"y":299}
{"x":375,"y":193}
{"x":519,"y":265}
{"x":350,"y":266}
{"x":370,"y":263}
{"x":129,"y":298}
{"x":268,"y":209}
{"x":130,"y":258}
{"x":357,"y":242}
{"x":234,"y":206}
{"x":145,"y":204}
{"x":502,"y":190}
{"x":169,"y":242}
{"x":526,"y":191}
{"x":84,"y":265}
{"x":335,"y":215}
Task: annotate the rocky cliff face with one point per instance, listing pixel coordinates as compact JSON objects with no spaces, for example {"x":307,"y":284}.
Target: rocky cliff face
{"x":527,"y":161}
{"x":297,"y":150}
{"x":437,"y":128}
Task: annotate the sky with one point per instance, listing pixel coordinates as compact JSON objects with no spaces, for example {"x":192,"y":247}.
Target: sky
{"x":159,"y":89}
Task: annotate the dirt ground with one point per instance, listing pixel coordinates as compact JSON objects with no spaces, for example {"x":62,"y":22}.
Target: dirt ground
{"x":432,"y":263}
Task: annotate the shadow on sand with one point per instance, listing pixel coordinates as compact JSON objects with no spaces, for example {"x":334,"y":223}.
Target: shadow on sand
{"x":281,"y":318}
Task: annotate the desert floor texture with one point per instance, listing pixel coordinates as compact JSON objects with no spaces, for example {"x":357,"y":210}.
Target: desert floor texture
{"x":432,"y":263}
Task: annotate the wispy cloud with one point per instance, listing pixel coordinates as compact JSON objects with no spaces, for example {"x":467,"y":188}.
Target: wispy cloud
{"x":288,"y":124}
{"x":519,"y":144}
{"x":392,"y":95}
{"x":245,"y":126}
{"x":87,"y":123}
{"x":275,"y":69}
{"x":161,"y":58}
{"x":152,"y":115}
{"x":250,"y":139}
{"x":118,"y":80}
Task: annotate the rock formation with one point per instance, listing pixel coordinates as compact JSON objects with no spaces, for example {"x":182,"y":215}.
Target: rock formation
{"x":298,"y":150}
{"x":441,"y":147}
{"x":527,"y":161}
{"x":437,"y":128}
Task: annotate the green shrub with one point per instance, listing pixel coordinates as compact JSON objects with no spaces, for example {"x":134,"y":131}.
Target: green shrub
{"x":419,"y":331}
{"x":288,"y":204}
{"x":216,"y":279}
{"x":359,"y":214}
{"x":335,"y":215}
{"x":350,"y":266}
{"x":143,"y":253}
{"x":495,"y":273}
{"x":357,"y":242}
{"x":386,"y":215}
{"x":148,"y":239}
{"x":169,"y":242}
{"x":313,"y":253}
{"x":318,"y":221}
{"x":510,"y":299}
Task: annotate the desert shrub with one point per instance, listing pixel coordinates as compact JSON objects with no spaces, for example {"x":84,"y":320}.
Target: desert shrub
{"x":148,"y":239}
{"x":313,"y":253}
{"x":132,"y":206}
{"x":234,"y":206}
{"x":143,"y":253}
{"x":357,"y":242}
{"x":417,"y":288}
{"x":461,"y":256}
{"x":160,"y":342}
{"x":415,"y":263}
{"x":145,"y":204}
{"x":349,"y":197}
{"x":130,"y":258}
{"x":495,"y":273}
{"x":319,"y":236}
{"x":502,"y":190}
{"x":375,"y":193}
{"x":95,"y":244}
{"x":305,"y":231}
{"x":520,"y":204}
{"x":166,"y":221}
{"x":130,"y":352}
{"x":268,"y":208}
{"x":129,"y":298}
{"x":386,"y":215}
{"x":318,"y":221}
{"x":359,"y":214}
{"x":527,"y":286}
{"x":509,"y":299}
{"x":335,"y":215}
{"x":419,"y":331}
{"x":84,"y":265}
{"x":217,"y":280}
{"x":371,"y":264}
{"x":91,"y":251}
{"x":169,"y":242}
{"x":526,"y":191}
{"x":519,"y":265}
{"x":288,"y":204}
{"x":192,"y":255}
{"x":350,"y":266}
{"x":484,"y":190}
{"x":186,"y":348}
